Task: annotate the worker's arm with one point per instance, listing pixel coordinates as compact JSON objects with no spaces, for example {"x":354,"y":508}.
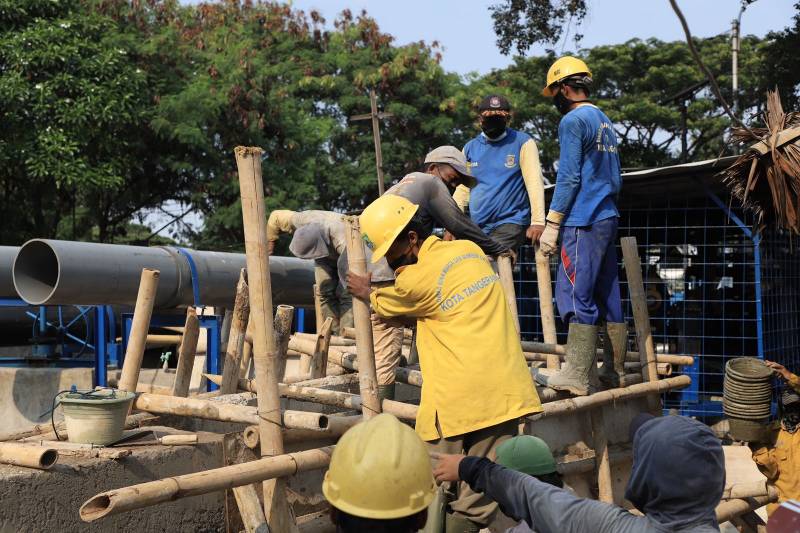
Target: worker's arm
{"x":461,"y":197}
{"x":544,"y":506}
{"x":405,"y":298}
{"x":447,"y":214}
{"x":534,"y":181}
{"x":570,"y":160}
{"x":793,"y":380}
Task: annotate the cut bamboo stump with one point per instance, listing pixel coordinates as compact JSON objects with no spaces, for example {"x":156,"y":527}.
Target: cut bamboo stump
{"x":318,"y":308}
{"x":247,"y":351}
{"x":545,"y":285}
{"x":367,"y":377}
{"x":641,"y":317}
{"x":604,"y":482}
{"x":506,"y":274}
{"x":186,"y":354}
{"x":251,"y":188}
{"x":318,"y":366}
{"x":142,"y":312}
{"x":174,"y":488}
{"x":250,"y":509}
{"x":42,"y":458}
{"x":235,"y":347}
{"x":283,"y":329}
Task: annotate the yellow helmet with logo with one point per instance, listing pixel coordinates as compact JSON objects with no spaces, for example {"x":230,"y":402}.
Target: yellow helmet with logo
{"x":563,"y":68}
{"x":383,"y":220}
{"x":380,"y":469}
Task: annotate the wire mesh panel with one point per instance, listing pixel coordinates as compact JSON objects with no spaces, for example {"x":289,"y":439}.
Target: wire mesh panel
{"x":705,"y":279}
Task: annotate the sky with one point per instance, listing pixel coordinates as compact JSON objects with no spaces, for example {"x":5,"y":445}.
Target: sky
{"x":464,"y":27}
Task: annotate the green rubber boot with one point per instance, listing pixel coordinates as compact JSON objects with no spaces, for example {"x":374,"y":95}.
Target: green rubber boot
{"x":458,"y":524}
{"x":385,"y":392}
{"x":574,"y":376}
{"x":615,"y":348}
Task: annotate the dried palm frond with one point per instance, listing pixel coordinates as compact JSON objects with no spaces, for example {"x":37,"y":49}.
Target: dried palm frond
{"x":766,"y":178}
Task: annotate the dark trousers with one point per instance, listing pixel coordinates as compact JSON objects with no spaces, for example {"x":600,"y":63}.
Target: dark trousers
{"x":509,"y":235}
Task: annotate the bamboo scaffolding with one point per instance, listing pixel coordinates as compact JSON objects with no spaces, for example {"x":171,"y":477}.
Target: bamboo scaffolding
{"x":235,"y":348}
{"x":227,"y":477}
{"x":506,"y":273}
{"x":250,"y":509}
{"x":247,"y":352}
{"x":318,"y":366}
{"x":367,"y":377}
{"x":41,"y":458}
{"x":251,"y":187}
{"x":546,"y":311}
{"x":283,"y":329}
{"x":186,"y":354}
{"x":318,"y":308}
{"x":533,"y":351}
{"x":600,"y":440}
{"x":137,"y":341}
{"x":663,"y":369}
{"x":730,"y":509}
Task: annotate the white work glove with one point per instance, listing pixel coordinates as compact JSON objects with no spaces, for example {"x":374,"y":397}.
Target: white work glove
{"x":548,"y":242}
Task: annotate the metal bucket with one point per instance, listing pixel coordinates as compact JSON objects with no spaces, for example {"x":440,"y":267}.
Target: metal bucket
{"x":747,"y":396}
{"x":95,"y":417}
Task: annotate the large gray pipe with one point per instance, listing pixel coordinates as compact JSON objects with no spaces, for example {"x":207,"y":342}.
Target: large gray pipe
{"x":50,"y":272}
{"x":7,"y":256}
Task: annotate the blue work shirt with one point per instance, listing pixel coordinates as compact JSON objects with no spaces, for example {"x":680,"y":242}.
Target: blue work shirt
{"x":500,"y":197}
{"x":588,"y":180}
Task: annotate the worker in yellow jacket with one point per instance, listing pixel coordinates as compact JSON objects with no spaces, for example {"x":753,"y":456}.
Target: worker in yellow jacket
{"x":476,"y":383}
{"x":780,"y":461}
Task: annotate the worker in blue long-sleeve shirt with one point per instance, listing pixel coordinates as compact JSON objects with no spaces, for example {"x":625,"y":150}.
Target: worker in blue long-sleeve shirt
{"x":584,"y":211}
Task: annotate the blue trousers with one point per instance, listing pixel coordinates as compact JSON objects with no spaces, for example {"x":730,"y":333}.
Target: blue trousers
{"x":587,"y":286}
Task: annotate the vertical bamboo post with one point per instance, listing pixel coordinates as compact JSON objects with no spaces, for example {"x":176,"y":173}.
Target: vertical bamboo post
{"x":507,"y":281}
{"x":247,"y":352}
{"x":367,"y":378}
{"x":603,"y":463}
{"x":235,"y":346}
{"x":250,"y":509}
{"x":546,"y":311}
{"x":251,"y":187}
{"x":319,"y":361}
{"x":186,"y":354}
{"x":283,"y":330}
{"x":641,"y":317}
{"x":148,"y":285}
{"x":318,"y":308}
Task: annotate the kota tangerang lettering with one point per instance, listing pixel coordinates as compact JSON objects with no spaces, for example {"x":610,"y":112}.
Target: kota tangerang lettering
{"x":469,"y":291}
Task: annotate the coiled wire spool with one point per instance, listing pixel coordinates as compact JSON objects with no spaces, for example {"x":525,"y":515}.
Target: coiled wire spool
{"x":747,"y":397}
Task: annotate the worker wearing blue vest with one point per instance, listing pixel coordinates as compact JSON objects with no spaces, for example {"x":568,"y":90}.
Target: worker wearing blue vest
{"x":584,"y":211}
{"x":507,"y":202}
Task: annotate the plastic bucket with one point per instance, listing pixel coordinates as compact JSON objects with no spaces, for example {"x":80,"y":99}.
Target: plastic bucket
{"x":95,"y":417}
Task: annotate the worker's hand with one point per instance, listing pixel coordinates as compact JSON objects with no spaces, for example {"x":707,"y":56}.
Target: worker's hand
{"x":548,"y":242}
{"x":779,"y":369}
{"x":270,"y":247}
{"x":448,"y":236}
{"x":359,"y":286}
{"x":446,"y":468}
{"x":512,"y":254}
{"x":534,"y":232}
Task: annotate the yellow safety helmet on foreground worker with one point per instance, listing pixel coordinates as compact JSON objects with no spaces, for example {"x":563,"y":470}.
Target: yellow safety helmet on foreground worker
{"x":383,"y":220}
{"x":380,"y":469}
{"x":563,"y":68}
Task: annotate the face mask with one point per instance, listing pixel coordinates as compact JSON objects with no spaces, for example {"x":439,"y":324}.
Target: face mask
{"x":493,"y":126}
{"x":562,"y":103}
{"x":403,"y":260}
{"x":791,"y":420}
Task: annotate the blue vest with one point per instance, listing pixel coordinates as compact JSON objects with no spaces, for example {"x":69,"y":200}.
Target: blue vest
{"x":500,"y":196}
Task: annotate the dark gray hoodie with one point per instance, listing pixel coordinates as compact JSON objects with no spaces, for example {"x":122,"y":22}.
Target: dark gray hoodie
{"x":677,"y":480}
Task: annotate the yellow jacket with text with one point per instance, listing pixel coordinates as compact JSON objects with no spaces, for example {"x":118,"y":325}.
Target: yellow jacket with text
{"x":474,"y":373}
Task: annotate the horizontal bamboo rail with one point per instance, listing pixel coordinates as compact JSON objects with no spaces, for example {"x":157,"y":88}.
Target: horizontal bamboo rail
{"x":561,"y":350}
{"x":174,"y":488}
{"x":42,"y":458}
{"x":732,"y":508}
{"x":752,"y":489}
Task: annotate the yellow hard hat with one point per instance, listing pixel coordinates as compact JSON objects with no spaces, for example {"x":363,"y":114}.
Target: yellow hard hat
{"x":383,"y":220}
{"x":380,"y":469}
{"x":564,"y":67}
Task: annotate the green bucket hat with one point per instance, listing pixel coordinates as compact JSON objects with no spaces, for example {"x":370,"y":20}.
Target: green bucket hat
{"x":527,"y":454}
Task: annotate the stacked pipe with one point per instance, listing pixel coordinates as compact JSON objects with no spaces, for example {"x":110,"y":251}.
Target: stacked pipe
{"x":746,"y":397}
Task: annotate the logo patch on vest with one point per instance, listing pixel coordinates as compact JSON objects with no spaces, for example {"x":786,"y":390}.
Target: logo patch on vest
{"x":511,"y":161}
{"x":368,"y":242}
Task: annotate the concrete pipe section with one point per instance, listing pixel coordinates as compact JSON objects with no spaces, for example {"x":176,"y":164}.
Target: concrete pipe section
{"x":51,"y":272}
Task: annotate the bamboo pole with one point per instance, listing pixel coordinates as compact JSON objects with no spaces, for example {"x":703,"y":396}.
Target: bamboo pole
{"x":632,"y":357}
{"x":145,"y":299}
{"x":13,"y":453}
{"x":604,"y":483}
{"x":227,"y":477}
{"x":367,"y":378}
{"x":581,"y":403}
{"x":641,"y":317}
{"x":186,"y":354}
{"x":729,"y":509}
{"x":250,"y":509}
{"x":506,"y":274}
{"x":318,"y":366}
{"x":337,"y":427}
{"x":235,"y":347}
{"x":247,"y":352}
{"x":318,"y":320}
{"x":283,"y":329}
{"x":751,"y":489}
{"x":545,"y":285}
{"x":251,"y":188}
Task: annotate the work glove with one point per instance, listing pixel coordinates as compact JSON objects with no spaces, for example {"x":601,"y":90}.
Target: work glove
{"x":548,"y":242}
